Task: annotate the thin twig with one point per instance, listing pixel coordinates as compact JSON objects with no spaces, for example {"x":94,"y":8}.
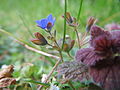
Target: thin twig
{"x":77,"y":37}
{"x":84,"y":43}
{"x":83,"y":38}
{"x":38,"y":51}
{"x":49,"y":75}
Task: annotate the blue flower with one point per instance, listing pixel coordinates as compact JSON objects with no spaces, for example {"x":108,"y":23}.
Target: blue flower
{"x":46,"y":23}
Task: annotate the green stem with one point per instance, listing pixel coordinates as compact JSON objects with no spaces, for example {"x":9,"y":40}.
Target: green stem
{"x":71,"y":85}
{"x":54,"y":40}
{"x":15,"y":37}
{"x":60,"y":50}
{"x":49,"y":45}
{"x":64,"y":23}
{"x":69,"y":55}
{"x":77,"y":37}
{"x":78,"y":17}
{"x":37,"y":82}
{"x":23,"y":20}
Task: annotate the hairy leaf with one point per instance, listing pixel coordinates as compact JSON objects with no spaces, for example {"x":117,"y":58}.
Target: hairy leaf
{"x":73,"y":71}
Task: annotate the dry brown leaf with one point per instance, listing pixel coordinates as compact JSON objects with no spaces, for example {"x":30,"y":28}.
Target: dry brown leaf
{"x":4,"y":82}
{"x":6,"y":72}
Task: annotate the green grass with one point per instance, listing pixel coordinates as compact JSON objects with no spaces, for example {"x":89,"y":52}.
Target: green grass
{"x":31,"y":10}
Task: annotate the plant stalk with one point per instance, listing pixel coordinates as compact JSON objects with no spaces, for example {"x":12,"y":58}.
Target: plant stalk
{"x":78,"y":39}
{"x":64,"y":24}
{"x":79,"y":12}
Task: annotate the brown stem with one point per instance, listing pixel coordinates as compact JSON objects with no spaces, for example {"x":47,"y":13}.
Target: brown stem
{"x":49,"y":75}
{"x":38,"y":51}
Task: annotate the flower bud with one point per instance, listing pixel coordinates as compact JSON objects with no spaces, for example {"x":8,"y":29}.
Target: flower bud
{"x":68,"y":44}
{"x":39,"y":40}
{"x":66,"y":47}
{"x":90,"y":22}
{"x":72,"y":44}
{"x":71,"y":21}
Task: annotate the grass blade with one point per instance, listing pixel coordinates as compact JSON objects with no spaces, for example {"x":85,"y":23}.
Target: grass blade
{"x":64,"y":23}
{"x":9,"y":34}
{"x":78,"y":16}
{"x":23,"y":20}
{"x":37,"y":82}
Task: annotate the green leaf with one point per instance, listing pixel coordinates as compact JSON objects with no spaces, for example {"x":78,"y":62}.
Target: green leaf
{"x":33,"y":86}
{"x":37,"y":82}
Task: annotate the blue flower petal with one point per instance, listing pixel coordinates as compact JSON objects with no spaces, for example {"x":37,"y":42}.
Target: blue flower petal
{"x":38,"y":22}
{"x":49,"y":18}
{"x":47,"y":23}
{"x":42,"y":23}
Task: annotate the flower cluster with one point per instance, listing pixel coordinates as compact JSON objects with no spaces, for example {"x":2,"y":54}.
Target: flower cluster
{"x":102,"y":57}
{"x":47,"y":25}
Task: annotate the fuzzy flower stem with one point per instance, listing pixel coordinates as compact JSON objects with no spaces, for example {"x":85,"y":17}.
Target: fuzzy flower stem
{"x":54,"y":39}
{"x":60,"y":51}
{"x":77,"y":37}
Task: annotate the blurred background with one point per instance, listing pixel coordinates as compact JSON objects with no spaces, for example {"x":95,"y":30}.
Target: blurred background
{"x":18,"y":17}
